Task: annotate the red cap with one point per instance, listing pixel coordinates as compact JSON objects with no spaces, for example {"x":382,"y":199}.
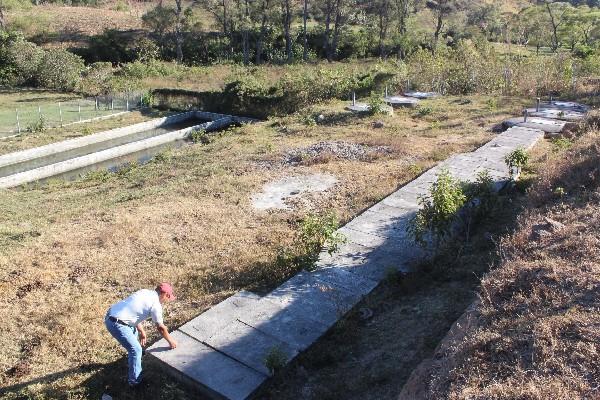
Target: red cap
{"x":166,"y":288}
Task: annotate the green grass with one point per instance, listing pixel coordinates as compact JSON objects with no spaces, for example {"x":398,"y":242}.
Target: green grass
{"x":31,"y":104}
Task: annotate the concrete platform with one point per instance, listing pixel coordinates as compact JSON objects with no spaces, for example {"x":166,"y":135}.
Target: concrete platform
{"x":240,"y":332}
{"x":421,"y":95}
{"x":547,"y":125}
{"x":359,"y":108}
{"x":401,"y":101}
{"x":557,"y":113}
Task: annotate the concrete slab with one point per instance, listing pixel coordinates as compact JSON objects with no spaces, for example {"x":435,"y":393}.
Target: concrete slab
{"x":402,"y":199}
{"x":565,"y":105}
{"x":206,"y":369}
{"x":421,"y":95}
{"x":557,"y":113}
{"x":331,"y":274}
{"x":545,"y":124}
{"x":216,"y":318}
{"x":275,"y":194}
{"x":359,"y":108}
{"x":248,"y":345}
{"x":401,"y":101}
{"x":384,"y":225}
{"x":284,"y":325}
{"x":352,"y":251}
{"x":314,"y":299}
{"x":361,"y":238}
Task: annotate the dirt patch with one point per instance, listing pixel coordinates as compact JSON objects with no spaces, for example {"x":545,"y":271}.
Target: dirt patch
{"x":276,"y":194}
{"x":325,"y":151}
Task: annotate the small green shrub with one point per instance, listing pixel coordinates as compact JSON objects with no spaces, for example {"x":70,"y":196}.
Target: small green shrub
{"x":318,"y":232}
{"x":275,"y":359}
{"x":438,"y":210}
{"x":376,"y":104}
{"x":560,"y":144}
{"x":516,"y":160}
{"x":38,"y":126}
{"x":423,"y":111}
{"x":200,"y":136}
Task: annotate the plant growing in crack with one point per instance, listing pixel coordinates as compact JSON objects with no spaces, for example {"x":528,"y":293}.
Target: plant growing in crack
{"x":438,"y":210}
{"x":515,"y":161}
{"x":275,"y":359}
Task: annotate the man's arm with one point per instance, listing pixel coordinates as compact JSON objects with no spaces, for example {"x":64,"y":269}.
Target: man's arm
{"x":142,"y":334}
{"x":165,"y":333}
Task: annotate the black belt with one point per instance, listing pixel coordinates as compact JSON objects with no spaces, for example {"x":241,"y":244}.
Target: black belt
{"x":118,"y":321}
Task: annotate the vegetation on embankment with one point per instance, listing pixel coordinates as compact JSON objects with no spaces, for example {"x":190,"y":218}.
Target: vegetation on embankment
{"x":534,"y":333}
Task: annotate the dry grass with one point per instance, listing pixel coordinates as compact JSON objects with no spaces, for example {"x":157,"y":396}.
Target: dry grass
{"x":69,"y":250}
{"x":537,"y":334}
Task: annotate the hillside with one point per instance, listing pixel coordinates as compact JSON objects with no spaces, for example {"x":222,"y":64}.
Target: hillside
{"x":534,"y":332}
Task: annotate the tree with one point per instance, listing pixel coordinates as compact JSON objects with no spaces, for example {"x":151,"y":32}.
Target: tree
{"x":333,"y":15}
{"x":305,"y":33}
{"x":286,"y":19}
{"x":487,"y":18}
{"x":2,"y":19}
{"x":557,"y":12}
{"x":534,"y":28}
{"x":382,"y":9}
{"x":178,"y":31}
{"x":442,"y":9}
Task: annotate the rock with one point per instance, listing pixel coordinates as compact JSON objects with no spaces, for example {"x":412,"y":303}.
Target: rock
{"x":106,"y":397}
{"x":553,"y":225}
{"x":320,"y":118}
{"x":378,"y":124}
{"x":336,"y":149}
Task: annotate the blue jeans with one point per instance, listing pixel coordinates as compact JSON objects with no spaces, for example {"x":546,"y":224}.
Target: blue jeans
{"x":127,"y":337}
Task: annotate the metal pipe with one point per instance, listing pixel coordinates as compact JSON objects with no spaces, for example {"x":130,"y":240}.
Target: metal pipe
{"x":537,"y":105}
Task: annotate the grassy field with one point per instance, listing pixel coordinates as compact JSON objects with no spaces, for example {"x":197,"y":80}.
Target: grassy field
{"x":31,"y":105}
{"x":186,"y":217}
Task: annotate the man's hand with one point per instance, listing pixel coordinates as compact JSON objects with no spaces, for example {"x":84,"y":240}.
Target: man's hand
{"x":142,"y":335}
{"x":143,"y":338}
{"x":165,"y":333}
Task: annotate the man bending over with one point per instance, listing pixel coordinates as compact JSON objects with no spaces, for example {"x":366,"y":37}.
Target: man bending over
{"x":124,"y":322}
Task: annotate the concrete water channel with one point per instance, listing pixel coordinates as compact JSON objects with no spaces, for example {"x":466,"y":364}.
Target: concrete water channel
{"x":107,"y":150}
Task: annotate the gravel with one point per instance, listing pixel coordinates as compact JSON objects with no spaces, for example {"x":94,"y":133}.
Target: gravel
{"x":335,"y":150}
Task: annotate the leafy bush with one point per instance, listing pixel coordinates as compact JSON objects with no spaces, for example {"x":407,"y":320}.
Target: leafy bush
{"x":200,"y":136}
{"x":438,"y":210}
{"x":38,"y":126}
{"x":376,"y":104}
{"x":25,"y":59}
{"x":97,"y":79}
{"x":60,"y":69}
{"x":318,"y":232}
{"x":275,"y":359}
{"x":515,"y":161}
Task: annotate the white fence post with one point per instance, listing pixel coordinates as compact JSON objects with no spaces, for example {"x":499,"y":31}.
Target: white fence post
{"x":79,"y":110}
{"x":18,"y":122}
{"x":60,"y":114}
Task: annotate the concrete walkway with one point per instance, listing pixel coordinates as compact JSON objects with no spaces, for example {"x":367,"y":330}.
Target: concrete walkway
{"x":222,"y":352}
